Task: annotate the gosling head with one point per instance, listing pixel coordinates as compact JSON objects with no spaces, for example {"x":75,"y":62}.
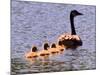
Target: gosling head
{"x":46,"y":46}
{"x":75,"y":13}
{"x":60,"y":43}
{"x":34,"y":49}
{"x":53,"y":45}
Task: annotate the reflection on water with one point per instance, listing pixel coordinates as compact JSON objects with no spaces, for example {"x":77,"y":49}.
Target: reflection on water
{"x":19,"y":67}
{"x":55,"y":64}
{"x":32,"y":22}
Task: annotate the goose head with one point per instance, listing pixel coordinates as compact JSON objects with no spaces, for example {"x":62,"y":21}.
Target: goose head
{"x":75,"y":13}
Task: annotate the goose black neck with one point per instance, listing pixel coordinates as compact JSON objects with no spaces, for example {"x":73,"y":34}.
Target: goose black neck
{"x":73,"y":32}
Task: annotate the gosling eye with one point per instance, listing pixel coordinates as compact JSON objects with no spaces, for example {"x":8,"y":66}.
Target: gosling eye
{"x":35,"y":56}
{"x":48,"y":54}
{"x":53,"y":52}
{"x":62,"y":50}
{"x":42,"y":54}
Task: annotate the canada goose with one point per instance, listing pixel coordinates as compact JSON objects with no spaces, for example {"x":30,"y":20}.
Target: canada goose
{"x":44,"y":53}
{"x":32,"y":55}
{"x":71,"y":40}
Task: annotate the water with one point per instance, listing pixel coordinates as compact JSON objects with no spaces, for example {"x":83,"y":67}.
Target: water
{"x":33,"y":23}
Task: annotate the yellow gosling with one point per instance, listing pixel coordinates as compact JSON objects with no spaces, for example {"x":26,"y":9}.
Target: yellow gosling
{"x":60,"y":47}
{"x":53,"y":50}
{"x":44,"y":54}
{"x":32,"y":55}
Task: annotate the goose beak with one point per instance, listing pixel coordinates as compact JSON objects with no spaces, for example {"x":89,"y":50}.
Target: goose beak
{"x":80,"y":14}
